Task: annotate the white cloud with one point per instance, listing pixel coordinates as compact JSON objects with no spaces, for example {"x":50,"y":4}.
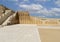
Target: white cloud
{"x":42,"y":16}
{"x":25,"y":0}
{"x":53,"y":11}
{"x":31,"y":6}
{"x":56,"y":9}
{"x":43,"y":0}
{"x":10,"y":0}
{"x":37,"y":8}
{"x":57,"y":2}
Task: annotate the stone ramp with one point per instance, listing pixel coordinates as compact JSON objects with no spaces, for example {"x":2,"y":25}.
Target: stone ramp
{"x":5,"y":16}
{"x":19,"y":33}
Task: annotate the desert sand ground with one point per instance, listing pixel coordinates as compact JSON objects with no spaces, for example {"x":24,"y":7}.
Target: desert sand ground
{"x":49,"y":35}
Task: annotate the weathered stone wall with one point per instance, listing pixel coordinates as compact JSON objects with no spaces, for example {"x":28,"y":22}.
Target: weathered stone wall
{"x":24,"y":17}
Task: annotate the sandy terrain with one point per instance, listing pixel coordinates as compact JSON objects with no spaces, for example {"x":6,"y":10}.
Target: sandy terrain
{"x":49,"y":35}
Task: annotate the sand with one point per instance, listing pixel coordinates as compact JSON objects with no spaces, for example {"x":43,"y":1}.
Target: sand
{"x":49,"y":35}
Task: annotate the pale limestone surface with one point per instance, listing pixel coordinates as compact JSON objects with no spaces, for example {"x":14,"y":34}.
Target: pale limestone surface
{"x":19,"y":33}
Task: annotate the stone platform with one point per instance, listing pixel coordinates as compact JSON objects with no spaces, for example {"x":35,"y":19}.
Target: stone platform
{"x":19,"y":33}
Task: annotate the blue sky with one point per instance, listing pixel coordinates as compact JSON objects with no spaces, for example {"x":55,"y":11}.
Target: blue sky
{"x":40,"y":8}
